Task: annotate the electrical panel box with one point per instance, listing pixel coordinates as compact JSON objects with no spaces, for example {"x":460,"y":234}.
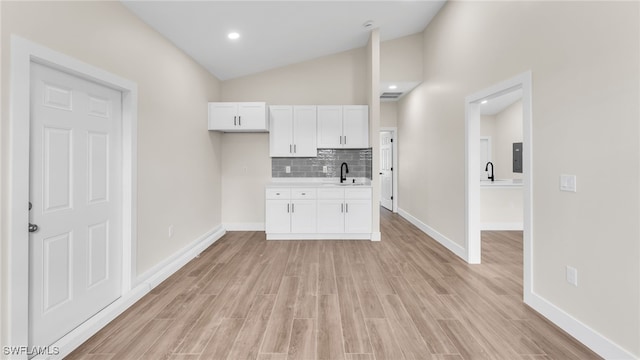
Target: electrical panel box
{"x":517,"y":157}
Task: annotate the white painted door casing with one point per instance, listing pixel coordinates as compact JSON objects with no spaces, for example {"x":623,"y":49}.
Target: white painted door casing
{"x":75,"y":188}
{"x":386,"y":167}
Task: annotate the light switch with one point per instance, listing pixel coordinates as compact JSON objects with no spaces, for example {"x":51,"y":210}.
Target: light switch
{"x":572,"y":275}
{"x":568,"y":183}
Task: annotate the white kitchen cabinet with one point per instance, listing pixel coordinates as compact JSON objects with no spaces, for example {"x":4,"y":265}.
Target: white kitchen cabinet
{"x":345,"y":127}
{"x":357,"y":216}
{"x":344,"y":210}
{"x":292,"y":131}
{"x":238,"y":116}
{"x":290,"y":210}
{"x":331,"y":216}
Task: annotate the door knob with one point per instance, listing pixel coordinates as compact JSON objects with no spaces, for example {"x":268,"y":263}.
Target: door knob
{"x":32,"y":227}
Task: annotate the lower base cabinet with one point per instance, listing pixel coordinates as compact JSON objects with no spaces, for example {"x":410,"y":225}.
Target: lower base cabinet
{"x":318,"y":213}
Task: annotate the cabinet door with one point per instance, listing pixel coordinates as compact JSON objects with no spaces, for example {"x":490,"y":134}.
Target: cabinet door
{"x":356,"y":126}
{"x":357,"y":216}
{"x":252,"y":116}
{"x":330,"y":216}
{"x":223,"y":116}
{"x":280,"y":131}
{"x":278,"y":217}
{"x":304,"y":131}
{"x":303,"y":216}
{"x":329,"y":126}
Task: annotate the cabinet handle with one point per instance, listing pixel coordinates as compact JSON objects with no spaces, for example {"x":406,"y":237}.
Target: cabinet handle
{"x":304,"y":193}
{"x":287,"y":207}
{"x":341,"y":208}
{"x":345,"y":139}
{"x":294,"y":149}
{"x":239,"y":120}
{"x":293,"y":207}
{"x":234,"y":120}
{"x":346,"y":206}
{"x":290,"y":149}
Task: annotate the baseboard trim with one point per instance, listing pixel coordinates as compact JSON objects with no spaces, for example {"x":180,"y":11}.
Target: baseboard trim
{"x":168,"y":267}
{"x":244,"y":226}
{"x":583,"y":333}
{"x":376,"y":236}
{"x":319,"y":236}
{"x":517,"y":226}
{"x":145,"y":283}
{"x":443,"y":240}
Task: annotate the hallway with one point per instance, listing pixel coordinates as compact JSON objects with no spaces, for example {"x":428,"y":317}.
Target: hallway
{"x":405,"y":297}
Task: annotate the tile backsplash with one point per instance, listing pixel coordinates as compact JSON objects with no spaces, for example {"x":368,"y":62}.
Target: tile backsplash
{"x":359,"y":161}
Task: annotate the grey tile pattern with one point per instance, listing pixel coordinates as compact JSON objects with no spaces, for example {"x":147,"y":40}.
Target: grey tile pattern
{"x":359,"y":161}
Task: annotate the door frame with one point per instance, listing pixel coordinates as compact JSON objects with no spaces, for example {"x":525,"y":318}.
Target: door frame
{"x":23,"y":53}
{"x":472,"y":159}
{"x":394,"y":157}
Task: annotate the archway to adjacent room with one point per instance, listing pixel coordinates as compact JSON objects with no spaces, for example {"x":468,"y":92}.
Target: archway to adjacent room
{"x":472,"y":155}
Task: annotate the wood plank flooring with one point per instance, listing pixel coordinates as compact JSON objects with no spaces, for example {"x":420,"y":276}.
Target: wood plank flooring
{"x":405,"y":297}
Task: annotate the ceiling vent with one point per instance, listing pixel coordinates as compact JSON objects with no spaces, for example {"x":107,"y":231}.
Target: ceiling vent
{"x":390,"y":95}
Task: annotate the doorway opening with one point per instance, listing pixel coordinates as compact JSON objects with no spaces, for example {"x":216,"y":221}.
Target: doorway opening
{"x":473,"y":109}
{"x":388,"y":168}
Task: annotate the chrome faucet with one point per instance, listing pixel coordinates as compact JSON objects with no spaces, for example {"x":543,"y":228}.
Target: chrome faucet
{"x":486,"y":168}
{"x":343,"y":176}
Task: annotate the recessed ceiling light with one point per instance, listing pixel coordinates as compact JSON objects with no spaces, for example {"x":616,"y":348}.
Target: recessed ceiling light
{"x":233,"y":35}
{"x":393,"y":87}
{"x":484,"y":101}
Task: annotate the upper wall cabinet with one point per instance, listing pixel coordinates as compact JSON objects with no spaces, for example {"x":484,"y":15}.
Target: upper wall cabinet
{"x":238,"y":116}
{"x":292,"y":131}
{"x":344,"y":127}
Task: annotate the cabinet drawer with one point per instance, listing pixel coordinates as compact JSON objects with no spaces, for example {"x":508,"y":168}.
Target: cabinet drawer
{"x":364,"y":194}
{"x":278,"y":193}
{"x":303,"y":193}
{"x":331,"y":193}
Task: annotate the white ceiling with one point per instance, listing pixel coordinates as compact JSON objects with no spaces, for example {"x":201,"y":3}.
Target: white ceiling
{"x":277,"y":33}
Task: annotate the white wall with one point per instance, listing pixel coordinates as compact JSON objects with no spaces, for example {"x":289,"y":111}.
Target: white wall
{"x":179,"y":161}
{"x":388,"y":114}
{"x":584,"y":60}
{"x":402,"y":59}
{"x":338,"y":79}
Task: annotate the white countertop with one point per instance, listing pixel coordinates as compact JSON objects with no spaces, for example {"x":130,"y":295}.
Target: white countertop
{"x":318,"y":182}
{"x":506,"y":183}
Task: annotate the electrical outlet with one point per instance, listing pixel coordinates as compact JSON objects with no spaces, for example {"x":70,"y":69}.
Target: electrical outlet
{"x":324,"y":169}
{"x":572,"y":276}
{"x":287,"y":169}
{"x":170,"y":231}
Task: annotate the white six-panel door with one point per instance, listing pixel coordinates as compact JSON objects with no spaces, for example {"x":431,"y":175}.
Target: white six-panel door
{"x":75,"y":184}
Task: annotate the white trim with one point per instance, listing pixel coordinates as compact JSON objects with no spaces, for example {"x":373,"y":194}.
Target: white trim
{"x":502,"y":226}
{"x":318,"y":236}
{"x":147,"y":281}
{"x":244,"y":226}
{"x":376,"y":236}
{"x":394,"y":150}
{"x":583,"y":333}
{"x":170,"y":265}
{"x":443,"y":240}
{"x":23,"y":52}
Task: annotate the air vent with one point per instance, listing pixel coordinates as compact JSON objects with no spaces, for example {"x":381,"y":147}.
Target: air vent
{"x":390,"y":95}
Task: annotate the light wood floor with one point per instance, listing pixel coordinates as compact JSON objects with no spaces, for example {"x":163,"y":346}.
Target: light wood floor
{"x":403,"y":298}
